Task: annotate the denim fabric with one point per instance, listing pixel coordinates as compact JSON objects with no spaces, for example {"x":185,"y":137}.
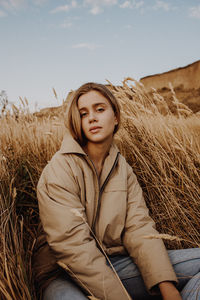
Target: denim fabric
{"x":186,"y":264}
{"x":63,"y":289}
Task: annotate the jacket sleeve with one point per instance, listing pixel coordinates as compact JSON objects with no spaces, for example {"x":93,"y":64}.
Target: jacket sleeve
{"x":68,"y":234}
{"x":150,"y":255}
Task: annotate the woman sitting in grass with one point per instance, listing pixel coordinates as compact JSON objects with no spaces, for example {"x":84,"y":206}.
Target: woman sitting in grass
{"x":96,"y":222}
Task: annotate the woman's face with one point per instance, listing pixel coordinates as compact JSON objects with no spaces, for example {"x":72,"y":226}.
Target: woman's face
{"x":97,"y":117}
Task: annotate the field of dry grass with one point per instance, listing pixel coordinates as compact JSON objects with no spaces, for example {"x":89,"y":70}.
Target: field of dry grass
{"x":160,"y":143}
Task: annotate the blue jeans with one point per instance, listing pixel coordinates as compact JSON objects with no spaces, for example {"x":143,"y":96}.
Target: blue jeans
{"x":186,"y":263}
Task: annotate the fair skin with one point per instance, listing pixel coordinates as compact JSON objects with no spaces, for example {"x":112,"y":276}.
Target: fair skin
{"x":98,"y":121}
{"x":169,"y":291}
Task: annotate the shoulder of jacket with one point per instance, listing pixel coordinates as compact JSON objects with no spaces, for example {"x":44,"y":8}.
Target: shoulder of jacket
{"x":122,"y":159}
{"x":61,"y":159}
{"x":124,"y":162}
{"x":130,"y":171}
{"x":58,"y":167}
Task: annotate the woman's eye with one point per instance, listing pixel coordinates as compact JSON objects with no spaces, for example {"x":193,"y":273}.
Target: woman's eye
{"x":83,"y":114}
{"x":100,"y":109}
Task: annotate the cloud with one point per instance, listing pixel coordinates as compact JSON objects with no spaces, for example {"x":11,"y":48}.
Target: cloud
{"x":132,"y":4}
{"x":109,"y":2}
{"x":97,"y":6}
{"x":195,"y":12}
{"x":100,"y":2}
{"x":139,"y":4}
{"x":89,"y":46}
{"x":163,"y":5}
{"x":74,"y":4}
{"x":12,"y":4}
{"x":96,"y":10}
{"x":94,"y":7}
{"x":126,"y":4}
{"x":63,"y":8}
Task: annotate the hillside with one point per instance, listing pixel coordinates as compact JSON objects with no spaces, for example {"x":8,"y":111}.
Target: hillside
{"x":185,"y":81}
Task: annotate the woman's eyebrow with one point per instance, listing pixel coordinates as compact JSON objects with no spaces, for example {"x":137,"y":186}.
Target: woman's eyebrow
{"x":94,"y":105}
{"x":99,"y":103}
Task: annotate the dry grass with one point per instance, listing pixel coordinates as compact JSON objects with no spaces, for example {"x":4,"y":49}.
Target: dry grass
{"x":161,"y":142}
{"x":164,"y":151}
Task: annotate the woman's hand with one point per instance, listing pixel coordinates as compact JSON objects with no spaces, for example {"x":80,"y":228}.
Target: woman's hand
{"x":169,"y":291}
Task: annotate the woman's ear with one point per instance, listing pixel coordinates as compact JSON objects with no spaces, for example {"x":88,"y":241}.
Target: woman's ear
{"x":116,"y":121}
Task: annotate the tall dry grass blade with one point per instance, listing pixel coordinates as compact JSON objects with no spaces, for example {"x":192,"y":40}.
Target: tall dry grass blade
{"x":55,"y":94}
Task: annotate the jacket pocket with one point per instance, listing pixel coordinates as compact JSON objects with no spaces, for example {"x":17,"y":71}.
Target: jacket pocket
{"x":115,"y":185}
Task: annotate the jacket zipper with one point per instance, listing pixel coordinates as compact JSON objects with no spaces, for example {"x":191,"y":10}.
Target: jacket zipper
{"x":93,"y":166}
{"x":102,"y":188}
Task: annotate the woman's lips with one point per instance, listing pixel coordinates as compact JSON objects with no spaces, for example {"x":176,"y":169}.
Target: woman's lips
{"x":94,"y":129}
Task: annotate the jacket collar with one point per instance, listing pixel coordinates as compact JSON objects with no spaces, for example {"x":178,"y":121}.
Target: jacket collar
{"x":70,"y":145}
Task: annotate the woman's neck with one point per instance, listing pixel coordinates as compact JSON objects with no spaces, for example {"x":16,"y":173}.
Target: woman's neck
{"x":97,"y":153}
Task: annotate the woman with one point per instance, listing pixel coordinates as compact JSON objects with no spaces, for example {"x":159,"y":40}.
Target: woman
{"x":91,"y":207}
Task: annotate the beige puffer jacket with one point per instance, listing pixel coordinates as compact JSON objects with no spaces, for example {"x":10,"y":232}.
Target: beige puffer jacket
{"x":73,"y":201}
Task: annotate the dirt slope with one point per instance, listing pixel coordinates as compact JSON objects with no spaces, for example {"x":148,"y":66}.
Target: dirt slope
{"x":186,"y":78}
{"x":185,"y":81}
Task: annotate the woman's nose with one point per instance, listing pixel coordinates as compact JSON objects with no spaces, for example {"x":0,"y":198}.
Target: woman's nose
{"x":92,"y":117}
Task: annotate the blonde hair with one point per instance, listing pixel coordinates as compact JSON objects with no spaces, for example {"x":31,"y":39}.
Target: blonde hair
{"x":73,"y":119}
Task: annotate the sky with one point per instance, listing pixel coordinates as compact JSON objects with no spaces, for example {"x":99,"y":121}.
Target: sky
{"x":46,"y":44}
